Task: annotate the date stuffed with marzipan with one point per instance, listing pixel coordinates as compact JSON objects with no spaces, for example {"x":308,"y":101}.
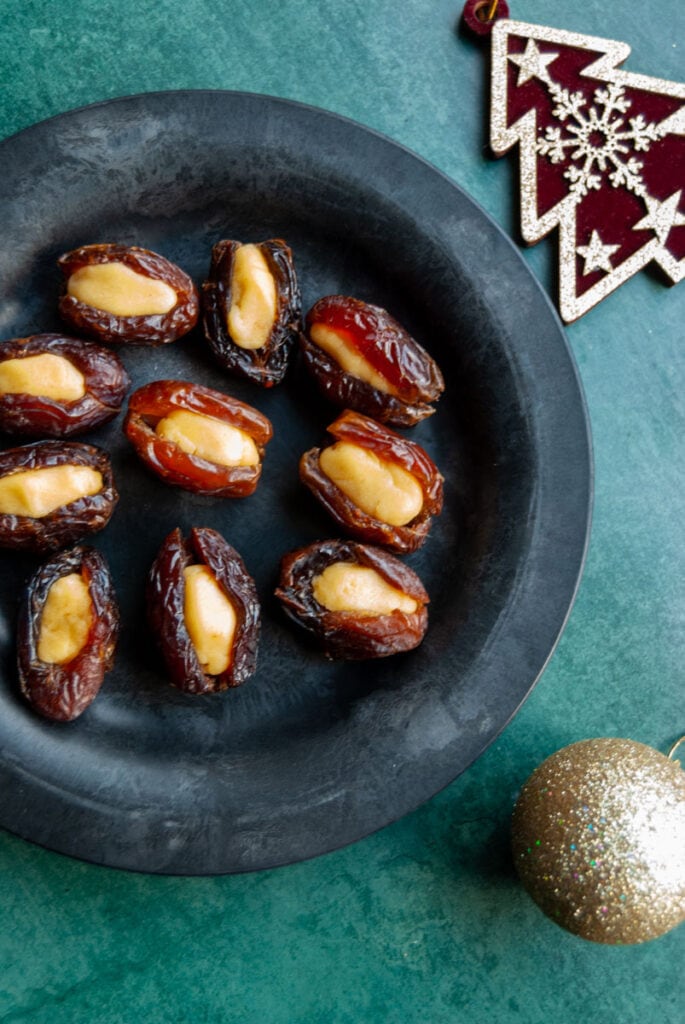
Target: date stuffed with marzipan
{"x":358,"y":601}
{"x":122,"y":294}
{"x":363,"y":359}
{"x":197,"y":438}
{"x":204,"y":612}
{"x":52,"y":493}
{"x":377,"y":485}
{"x":55,"y":386}
{"x":67,"y":633}
{"x":252,"y":308}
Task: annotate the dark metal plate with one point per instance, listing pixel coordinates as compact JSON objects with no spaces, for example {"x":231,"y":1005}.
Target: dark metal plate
{"x":307,"y":756}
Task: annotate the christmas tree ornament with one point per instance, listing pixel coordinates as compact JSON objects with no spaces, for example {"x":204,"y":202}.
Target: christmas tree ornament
{"x":602,"y":153}
{"x":598,"y":838}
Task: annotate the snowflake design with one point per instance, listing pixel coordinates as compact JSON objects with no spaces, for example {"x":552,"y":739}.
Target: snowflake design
{"x":598,"y":140}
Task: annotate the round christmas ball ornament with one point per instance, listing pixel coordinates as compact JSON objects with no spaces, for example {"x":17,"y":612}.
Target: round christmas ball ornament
{"x":598,"y":838}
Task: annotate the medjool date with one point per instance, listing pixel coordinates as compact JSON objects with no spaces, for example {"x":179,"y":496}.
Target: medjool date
{"x":56,"y":386}
{"x":377,"y":485}
{"x":125,"y":294}
{"x":252,"y":308}
{"x":52,"y":493}
{"x":67,"y":633}
{"x":197,"y":438}
{"x":203,"y":609}
{"x":363,"y":359}
{"x":358,"y":601}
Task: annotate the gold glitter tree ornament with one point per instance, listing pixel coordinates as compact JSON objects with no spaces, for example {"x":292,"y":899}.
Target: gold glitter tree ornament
{"x":598,"y":839}
{"x":602,"y":153}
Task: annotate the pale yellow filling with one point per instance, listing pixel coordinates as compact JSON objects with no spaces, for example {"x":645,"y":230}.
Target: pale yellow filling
{"x":348,"y":358}
{"x":382,"y":489}
{"x":66,"y":620}
{"x":210,"y":619}
{"x":348,"y":587}
{"x":37,"y":492}
{"x":115,"y":288}
{"x":253,"y":299}
{"x":208,"y":438}
{"x":45,"y":375}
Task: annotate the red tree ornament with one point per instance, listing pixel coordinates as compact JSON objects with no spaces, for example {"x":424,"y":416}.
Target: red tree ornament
{"x":602,"y":155}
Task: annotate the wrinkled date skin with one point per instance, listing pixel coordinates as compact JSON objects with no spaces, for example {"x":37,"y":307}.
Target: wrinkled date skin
{"x":165,"y":603}
{"x":345,"y":635}
{"x":390,"y":447}
{"x":63,"y":692}
{"x":154,"y":401}
{"x":105,"y":380}
{"x":154,"y":329}
{"x":266,"y":365}
{"x":372,"y":333}
{"x":70,"y":522}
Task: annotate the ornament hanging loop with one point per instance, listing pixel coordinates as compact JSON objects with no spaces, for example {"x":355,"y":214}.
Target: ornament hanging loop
{"x":480,"y":15}
{"x":674,"y":748}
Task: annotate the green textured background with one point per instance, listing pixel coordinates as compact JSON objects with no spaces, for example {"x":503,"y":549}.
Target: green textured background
{"x":425,"y":921}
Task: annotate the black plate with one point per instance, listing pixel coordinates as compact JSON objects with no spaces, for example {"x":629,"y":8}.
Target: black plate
{"x":308,"y":755}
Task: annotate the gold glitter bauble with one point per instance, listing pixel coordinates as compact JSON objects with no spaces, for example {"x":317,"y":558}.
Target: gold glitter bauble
{"x":598,"y":838}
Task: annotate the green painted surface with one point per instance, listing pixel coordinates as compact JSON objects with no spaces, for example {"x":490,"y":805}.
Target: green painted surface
{"x":425,"y":922}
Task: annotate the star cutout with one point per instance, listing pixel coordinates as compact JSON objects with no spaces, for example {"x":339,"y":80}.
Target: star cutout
{"x":597,"y":255}
{"x":532,"y":64}
{"x":662,"y":216}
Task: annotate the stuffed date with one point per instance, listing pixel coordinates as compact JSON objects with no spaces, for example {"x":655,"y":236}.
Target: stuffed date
{"x":55,"y":386}
{"x":363,"y":359}
{"x":125,"y":294}
{"x":197,"y":438}
{"x":204,"y":612}
{"x":358,"y":601}
{"x":52,"y":493}
{"x":252,"y":309}
{"x":377,"y":485}
{"x":67,"y":633}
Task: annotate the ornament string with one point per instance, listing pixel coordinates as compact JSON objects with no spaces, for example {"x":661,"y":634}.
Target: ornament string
{"x":493,"y":10}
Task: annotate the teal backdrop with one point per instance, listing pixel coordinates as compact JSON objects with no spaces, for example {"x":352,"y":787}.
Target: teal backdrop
{"x":424,"y":922}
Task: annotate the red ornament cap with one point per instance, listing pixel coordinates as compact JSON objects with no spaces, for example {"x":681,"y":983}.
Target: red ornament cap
{"x":602,"y":156}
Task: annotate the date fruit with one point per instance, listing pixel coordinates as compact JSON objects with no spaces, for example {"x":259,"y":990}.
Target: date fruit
{"x":55,"y":386}
{"x":197,"y":438}
{"x":204,"y":612}
{"x":378,"y":486}
{"x":67,"y":633}
{"x":252,"y":308}
{"x":124,"y":294}
{"x":52,"y":493}
{"x":362,"y":359}
{"x":358,"y":601}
